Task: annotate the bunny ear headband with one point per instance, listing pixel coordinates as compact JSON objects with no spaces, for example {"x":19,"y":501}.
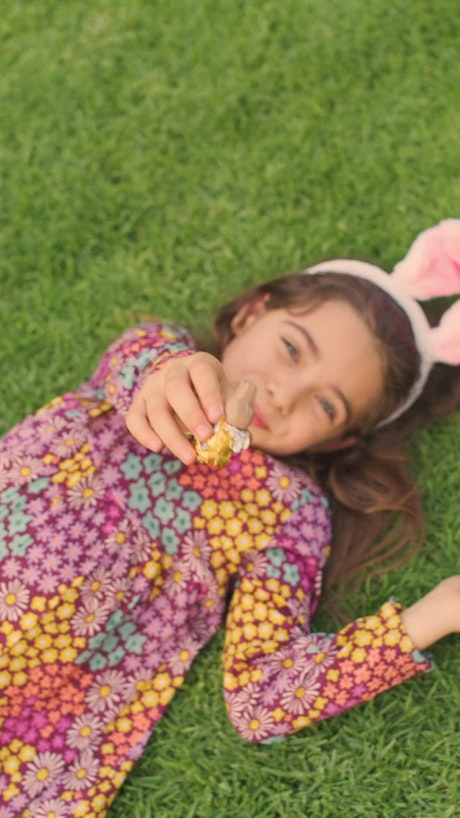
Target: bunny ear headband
{"x":431,"y":269}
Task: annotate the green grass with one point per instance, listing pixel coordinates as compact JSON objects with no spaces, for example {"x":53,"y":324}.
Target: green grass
{"x":156,"y":157}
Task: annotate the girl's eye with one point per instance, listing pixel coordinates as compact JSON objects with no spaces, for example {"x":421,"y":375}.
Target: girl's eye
{"x":328,"y":407}
{"x":292,"y":349}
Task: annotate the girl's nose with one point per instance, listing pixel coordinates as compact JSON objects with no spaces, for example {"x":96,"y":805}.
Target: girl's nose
{"x":282,"y":396}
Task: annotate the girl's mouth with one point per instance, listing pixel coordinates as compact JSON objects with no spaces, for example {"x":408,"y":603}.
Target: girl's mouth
{"x":258,"y":421}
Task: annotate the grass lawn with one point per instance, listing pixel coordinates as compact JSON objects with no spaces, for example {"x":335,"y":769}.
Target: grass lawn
{"x":157,"y":156}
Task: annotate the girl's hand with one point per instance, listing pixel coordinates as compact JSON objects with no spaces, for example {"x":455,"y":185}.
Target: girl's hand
{"x":435,"y":615}
{"x":185,"y":395}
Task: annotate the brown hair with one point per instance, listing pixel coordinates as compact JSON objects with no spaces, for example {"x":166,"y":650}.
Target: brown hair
{"x":371,"y":479}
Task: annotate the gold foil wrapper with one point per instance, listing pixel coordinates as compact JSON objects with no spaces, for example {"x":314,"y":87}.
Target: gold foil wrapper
{"x":217,"y":450}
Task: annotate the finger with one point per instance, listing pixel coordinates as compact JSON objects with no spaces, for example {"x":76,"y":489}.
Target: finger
{"x":169,"y":432}
{"x":209,"y":384}
{"x":184,"y":402}
{"x":138,"y":425}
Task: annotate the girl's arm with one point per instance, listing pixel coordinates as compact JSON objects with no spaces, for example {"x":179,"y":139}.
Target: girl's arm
{"x":154,"y":376}
{"x":435,"y":615}
{"x":182,"y":395}
{"x":133,"y":356}
{"x":280,"y":677}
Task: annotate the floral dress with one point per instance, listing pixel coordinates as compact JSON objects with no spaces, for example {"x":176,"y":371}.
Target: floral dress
{"x":116,"y":566}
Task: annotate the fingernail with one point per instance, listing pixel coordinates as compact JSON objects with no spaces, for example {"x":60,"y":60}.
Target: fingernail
{"x":203,"y":431}
{"x":215,"y":413}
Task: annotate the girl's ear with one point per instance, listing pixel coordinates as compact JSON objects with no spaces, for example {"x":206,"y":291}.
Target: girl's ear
{"x":248,"y":313}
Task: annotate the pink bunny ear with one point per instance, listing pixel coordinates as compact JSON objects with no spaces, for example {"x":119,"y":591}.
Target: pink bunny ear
{"x":432,"y":265}
{"x":445,"y":338}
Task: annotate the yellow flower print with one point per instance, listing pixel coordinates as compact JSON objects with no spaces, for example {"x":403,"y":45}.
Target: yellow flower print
{"x":279,"y":714}
{"x":227,"y":510}
{"x":233,"y":527}
{"x":406,"y":645}
{"x":74,"y":469}
{"x":249,"y":631}
{"x":162,"y":681}
{"x":301,"y":721}
{"x":362,"y":638}
{"x":268,"y":516}
{"x":392,"y":638}
{"x":217,"y":559}
{"x":233,"y":556}
{"x":209,"y":509}
{"x":262,"y":541}
{"x":244,"y":542}
{"x":263,"y":497}
{"x":265,"y":630}
{"x":260,"y":611}
{"x":230,"y":683}
{"x":255,"y":525}
{"x":247,"y":603}
{"x":215,"y":526}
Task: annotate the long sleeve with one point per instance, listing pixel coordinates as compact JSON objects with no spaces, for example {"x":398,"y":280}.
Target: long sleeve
{"x":279,"y":676}
{"x":133,"y":356}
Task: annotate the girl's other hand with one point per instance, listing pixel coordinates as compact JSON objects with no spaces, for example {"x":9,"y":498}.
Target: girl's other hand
{"x":435,"y":615}
{"x":186,"y":395}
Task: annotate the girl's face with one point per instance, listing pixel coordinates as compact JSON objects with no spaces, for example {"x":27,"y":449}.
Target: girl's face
{"x":315,"y":374}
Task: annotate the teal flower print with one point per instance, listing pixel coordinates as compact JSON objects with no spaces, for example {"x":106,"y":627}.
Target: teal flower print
{"x":164,"y":510}
{"x":174,"y":490}
{"x":151,"y":462}
{"x":172,"y":466}
{"x":152,"y":525}
{"x":116,"y":656}
{"x":170,"y":541}
{"x":276,"y":556}
{"x":183,"y":521}
{"x":132,"y":467}
{"x":37,"y":486}
{"x":291,"y":574}
{"x":139,"y":496}
{"x":135,"y":643}
{"x":157,"y":484}
{"x":20,"y":543}
{"x":18,"y":523}
{"x":191,"y":500}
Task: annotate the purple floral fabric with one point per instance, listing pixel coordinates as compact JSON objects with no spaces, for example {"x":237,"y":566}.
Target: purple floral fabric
{"x":115,"y":569}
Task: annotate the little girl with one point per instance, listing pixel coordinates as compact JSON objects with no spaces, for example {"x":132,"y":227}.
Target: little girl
{"x":119,"y":550}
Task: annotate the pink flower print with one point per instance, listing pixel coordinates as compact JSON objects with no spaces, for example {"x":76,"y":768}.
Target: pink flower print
{"x":98,"y":585}
{"x":283,"y":483}
{"x":301,"y":694}
{"x":52,"y":806}
{"x":47,"y":583}
{"x":25,"y":469}
{"x":67,"y":445}
{"x":14,"y":598}
{"x":106,"y":694}
{"x":196,"y":550}
{"x":86,"y":493}
{"x":255,"y":724}
{"x":82,"y":772}
{"x":10,"y":569}
{"x":241,"y":700}
{"x":89,"y":619}
{"x":41,"y":771}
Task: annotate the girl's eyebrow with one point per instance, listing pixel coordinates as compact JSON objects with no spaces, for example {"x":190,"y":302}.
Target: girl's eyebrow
{"x":316,"y":353}
{"x":309,"y":338}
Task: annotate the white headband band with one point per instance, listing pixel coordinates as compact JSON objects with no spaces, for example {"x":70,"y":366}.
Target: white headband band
{"x":431,"y":269}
